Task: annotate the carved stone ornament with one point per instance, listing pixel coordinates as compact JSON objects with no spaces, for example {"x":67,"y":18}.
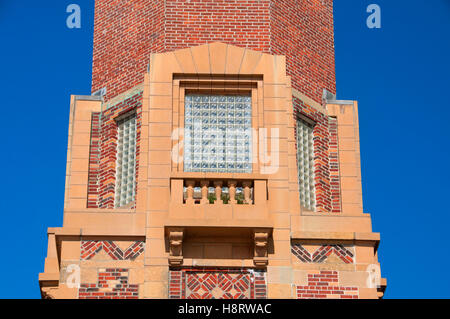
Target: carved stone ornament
{"x":176,"y":247}
{"x":260,"y":258}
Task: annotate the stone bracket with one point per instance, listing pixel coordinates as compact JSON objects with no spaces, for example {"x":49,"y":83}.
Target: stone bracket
{"x":176,"y":246}
{"x":261,"y":238}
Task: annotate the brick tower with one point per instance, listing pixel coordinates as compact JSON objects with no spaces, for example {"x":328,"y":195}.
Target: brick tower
{"x":213,"y":149}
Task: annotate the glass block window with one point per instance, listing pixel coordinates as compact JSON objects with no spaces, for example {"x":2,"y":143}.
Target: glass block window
{"x":126,"y":161}
{"x":218,"y":133}
{"x":305,"y":161}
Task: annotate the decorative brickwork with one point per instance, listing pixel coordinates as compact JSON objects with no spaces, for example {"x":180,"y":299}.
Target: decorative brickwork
{"x":260,"y":285}
{"x":102,"y":168}
{"x":197,"y":283}
{"x":94,"y":156}
{"x":90,"y":248}
{"x":322,"y":253}
{"x":325,"y":286}
{"x":333,"y":166}
{"x":217,"y":286}
{"x":326,"y":161}
{"x":112,"y":284}
{"x":176,"y":284}
{"x":127,"y":32}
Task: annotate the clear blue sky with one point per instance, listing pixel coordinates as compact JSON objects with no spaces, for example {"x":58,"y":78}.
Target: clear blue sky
{"x":400,"y":74}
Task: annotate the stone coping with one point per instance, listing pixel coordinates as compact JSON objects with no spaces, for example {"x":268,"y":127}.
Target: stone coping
{"x":338,"y":236}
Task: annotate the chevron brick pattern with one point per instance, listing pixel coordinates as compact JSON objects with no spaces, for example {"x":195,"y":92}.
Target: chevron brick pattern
{"x":325,"y":285}
{"x":217,"y":284}
{"x":112,"y":284}
{"x":90,"y":248}
{"x":322,"y":253}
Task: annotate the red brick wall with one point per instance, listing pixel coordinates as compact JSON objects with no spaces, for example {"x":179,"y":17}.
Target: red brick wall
{"x":126,"y":32}
{"x":244,"y":23}
{"x":325,"y":285}
{"x":303,"y":31}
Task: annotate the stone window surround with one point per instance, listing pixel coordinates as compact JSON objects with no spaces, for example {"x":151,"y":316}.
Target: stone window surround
{"x":213,"y":84}
{"x":215,"y":141}
{"x":118,"y":195}
{"x":312,"y":123}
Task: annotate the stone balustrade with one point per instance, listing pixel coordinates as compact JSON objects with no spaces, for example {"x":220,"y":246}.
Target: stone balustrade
{"x":218,"y":191}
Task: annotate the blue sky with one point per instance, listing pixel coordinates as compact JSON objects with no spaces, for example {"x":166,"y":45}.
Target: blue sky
{"x":400,"y":74}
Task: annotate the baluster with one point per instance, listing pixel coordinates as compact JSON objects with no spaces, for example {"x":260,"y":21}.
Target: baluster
{"x":247,"y":192}
{"x":218,"y":192}
{"x":204,"y":184}
{"x":232,"y":191}
{"x":190,"y":184}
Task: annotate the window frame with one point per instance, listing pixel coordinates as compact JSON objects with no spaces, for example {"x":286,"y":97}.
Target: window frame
{"x":247,"y":127}
{"x":311,"y":123}
{"x":118,"y":190}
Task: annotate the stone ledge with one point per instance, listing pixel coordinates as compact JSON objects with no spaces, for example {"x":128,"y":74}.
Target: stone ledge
{"x":345,"y":236}
{"x":99,"y":211}
{"x":64,"y":231}
{"x":216,"y":223}
{"x":95,"y":231}
{"x":48,"y":277}
{"x":87,"y":98}
{"x":109,"y":222}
